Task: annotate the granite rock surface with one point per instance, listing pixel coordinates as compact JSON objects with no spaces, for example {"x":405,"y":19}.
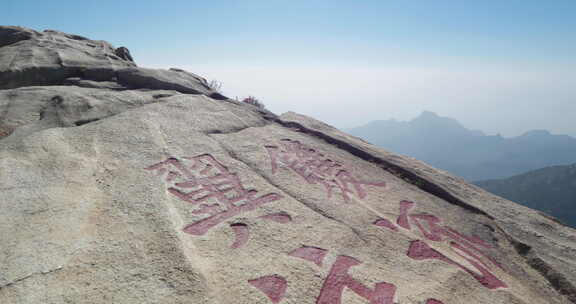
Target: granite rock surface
{"x":139,"y":187}
{"x":31,"y":58}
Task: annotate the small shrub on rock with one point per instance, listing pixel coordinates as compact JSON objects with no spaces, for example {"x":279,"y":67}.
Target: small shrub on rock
{"x":251,"y":100}
{"x":215,"y":85}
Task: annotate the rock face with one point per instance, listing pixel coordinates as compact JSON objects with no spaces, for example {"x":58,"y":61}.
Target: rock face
{"x":29,"y":58}
{"x":124,"y":53}
{"x":137,"y":194}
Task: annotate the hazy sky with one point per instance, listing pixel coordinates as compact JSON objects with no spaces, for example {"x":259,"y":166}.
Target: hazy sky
{"x":502,"y":66}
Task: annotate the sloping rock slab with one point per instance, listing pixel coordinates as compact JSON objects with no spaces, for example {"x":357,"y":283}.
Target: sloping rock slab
{"x":76,"y":81}
{"x":32,"y":109}
{"x":32,"y":58}
{"x":13,"y":34}
{"x":547,"y":245}
{"x":177,"y":80}
{"x":194,"y":200}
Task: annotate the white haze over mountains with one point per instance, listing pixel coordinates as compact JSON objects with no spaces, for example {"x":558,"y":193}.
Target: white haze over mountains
{"x":446,"y":144}
{"x":497,"y":99}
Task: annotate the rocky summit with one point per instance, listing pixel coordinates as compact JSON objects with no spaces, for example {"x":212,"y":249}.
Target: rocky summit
{"x":122,"y":184}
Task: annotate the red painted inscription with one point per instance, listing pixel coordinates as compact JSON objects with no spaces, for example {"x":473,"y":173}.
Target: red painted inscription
{"x":280,"y":217}
{"x":467,"y":247}
{"x":312,"y":254}
{"x":419,"y":250}
{"x":315,"y":168}
{"x":214,"y":191}
{"x":338,"y":278}
{"x":273,"y":286}
{"x":334,"y":284}
{"x":385,"y":223}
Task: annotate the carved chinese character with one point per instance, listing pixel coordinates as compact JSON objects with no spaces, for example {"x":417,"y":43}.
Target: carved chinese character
{"x":466,"y":247}
{"x":419,"y":250}
{"x":213,"y":190}
{"x":273,"y":286}
{"x":338,"y":278}
{"x":315,"y":168}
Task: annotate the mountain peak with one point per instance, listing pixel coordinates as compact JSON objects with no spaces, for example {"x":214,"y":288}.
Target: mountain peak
{"x":537,"y":133}
{"x":431,"y":117}
{"x":431,"y":123}
{"x":428,"y":114}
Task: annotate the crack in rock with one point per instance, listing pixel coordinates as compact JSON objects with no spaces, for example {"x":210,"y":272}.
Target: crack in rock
{"x":41,"y":273}
{"x":396,"y":170}
{"x":556,"y":279}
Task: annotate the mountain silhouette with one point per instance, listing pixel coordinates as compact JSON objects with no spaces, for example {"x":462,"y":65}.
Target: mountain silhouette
{"x":446,"y":144}
{"x":551,"y":190}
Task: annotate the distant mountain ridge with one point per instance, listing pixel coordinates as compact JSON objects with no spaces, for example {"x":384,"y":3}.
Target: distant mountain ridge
{"x":551,"y":190}
{"x":445,"y":143}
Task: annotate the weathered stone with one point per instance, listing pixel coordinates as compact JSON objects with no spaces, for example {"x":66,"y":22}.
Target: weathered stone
{"x":181,"y":81}
{"x":69,"y":36}
{"x":99,"y":74}
{"x":76,"y":81}
{"x":155,"y":196}
{"x":124,"y":53}
{"x":32,"y":109}
{"x":13,"y":34}
{"x":49,"y":57}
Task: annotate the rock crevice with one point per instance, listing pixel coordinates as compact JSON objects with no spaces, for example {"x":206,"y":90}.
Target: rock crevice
{"x":32,"y":275}
{"x":398,"y":171}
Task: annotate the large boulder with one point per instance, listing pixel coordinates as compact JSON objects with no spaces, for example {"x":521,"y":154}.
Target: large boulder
{"x":29,"y":58}
{"x":49,"y":57}
{"x":124,"y":53}
{"x":13,"y":34}
{"x":142,"y":195}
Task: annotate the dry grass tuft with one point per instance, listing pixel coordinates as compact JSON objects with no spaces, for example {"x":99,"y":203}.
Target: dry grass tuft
{"x":254,"y":101}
